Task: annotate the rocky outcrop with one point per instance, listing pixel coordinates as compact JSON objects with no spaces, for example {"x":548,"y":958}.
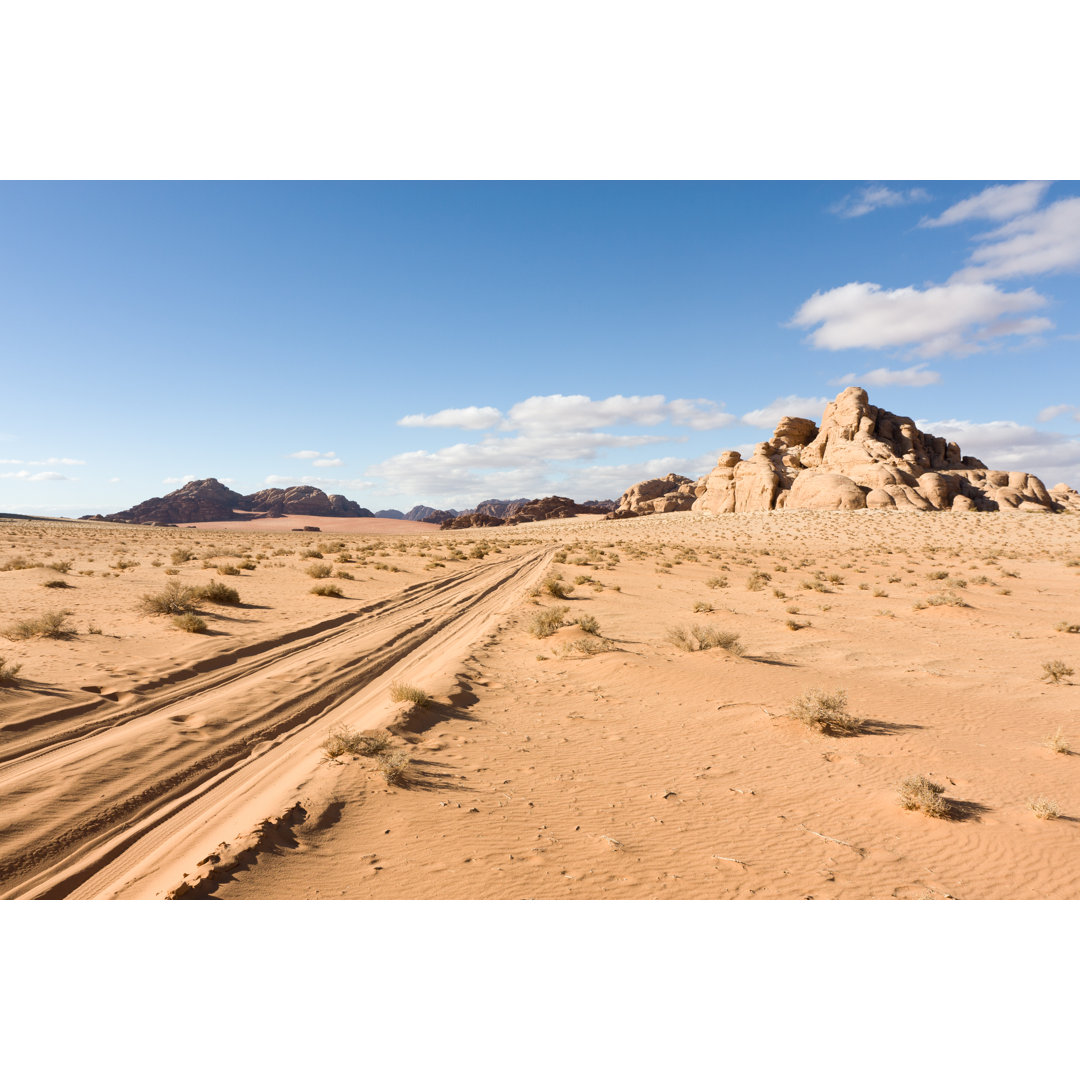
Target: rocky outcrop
{"x":397,"y":515}
{"x":423,"y":513}
{"x":440,"y":517}
{"x":864,"y":457}
{"x":555,"y":506}
{"x":210,"y":500}
{"x":658,"y":496}
{"x":500,"y":508}
{"x":472,"y":521}
{"x":600,"y":506}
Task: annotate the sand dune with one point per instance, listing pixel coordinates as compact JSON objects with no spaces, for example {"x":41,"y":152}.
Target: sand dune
{"x":609,"y":763}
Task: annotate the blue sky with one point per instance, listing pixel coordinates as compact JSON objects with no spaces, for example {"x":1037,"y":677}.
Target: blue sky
{"x":445,"y":343}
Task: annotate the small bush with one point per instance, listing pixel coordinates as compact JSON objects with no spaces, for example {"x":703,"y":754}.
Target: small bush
{"x":174,"y":599}
{"x":946,"y":600}
{"x":60,"y":567}
{"x":1056,"y":670}
{"x":589,"y":646}
{"x":327,"y":590}
{"x":55,"y":583}
{"x":228,"y":570}
{"x":9,"y":673}
{"x":400,"y":691}
{"x":553,"y":585}
{"x":546,"y":621}
{"x":192,"y":623}
{"x":1044,"y":809}
{"x":318,"y":570}
{"x":756,"y":581}
{"x":825,"y":712}
{"x":588,"y":623}
{"x":50,"y":625}
{"x":1058,"y":743}
{"x":921,"y":793}
{"x":181,"y":555}
{"x":393,"y":766}
{"x":698,"y":637}
{"x":343,"y":740}
{"x":20,"y":562}
{"x":216,"y":592}
{"x":716,"y":583}
{"x":703,"y":607}
{"x":1067,"y":628}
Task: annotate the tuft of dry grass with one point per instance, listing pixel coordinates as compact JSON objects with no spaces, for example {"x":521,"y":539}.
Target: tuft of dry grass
{"x":50,"y":625}
{"x":343,"y":740}
{"x":553,"y":585}
{"x":588,"y":623}
{"x":703,"y":607}
{"x":1067,"y":628}
{"x":174,"y":599}
{"x":400,"y":691}
{"x":1056,"y":670}
{"x":1058,"y":743}
{"x":217,"y":592}
{"x":394,"y":766}
{"x":327,"y":590}
{"x":318,"y":570}
{"x":546,"y":621}
{"x":190,"y":622}
{"x":589,"y":646}
{"x":921,"y":793}
{"x":1044,"y":809}
{"x":228,"y":570}
{"x":825,"y":712}
{"x":697,"y":638}
{"x":9,"y":673}
{"x":55,"y":583}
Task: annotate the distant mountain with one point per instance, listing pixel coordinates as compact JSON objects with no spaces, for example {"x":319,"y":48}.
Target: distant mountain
{"x":397,"y":515}
{"x":422,"y":513}
{"x":211,"y":500}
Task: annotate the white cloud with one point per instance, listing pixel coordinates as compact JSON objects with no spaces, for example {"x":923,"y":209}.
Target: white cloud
{"x":328,"y":463}
{"x":1052,"y":412}
{"x":114,"y":479}
{"x":340,"y":484}
{"x":34,"y":478}
{"x":472,"y":418}
{"x":917,"y":375}
{"x":308,"y":455}
{"x":1007,"y":445}
{"x":179,"y":479}
{"x":867,"y":199}
{"x":44,"y":461}
{"x":791,"y":405}
{"x":956,"y":318}
{"x":997,"y":203}
{"x":1044,"y":242}
{"x":565,"y":412}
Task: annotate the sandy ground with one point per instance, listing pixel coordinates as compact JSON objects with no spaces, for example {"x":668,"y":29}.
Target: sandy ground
{"x":341,"y":526}
{"x":600,"y":761}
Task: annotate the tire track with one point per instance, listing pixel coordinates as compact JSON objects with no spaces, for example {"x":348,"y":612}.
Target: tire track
{"x":91,"y":805}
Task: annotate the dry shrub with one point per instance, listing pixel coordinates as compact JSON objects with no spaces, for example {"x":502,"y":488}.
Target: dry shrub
{"x":921,"y":793}
{"x":55,"y":583}
{"x":9,"y":673}
{"x":192,"y":623}
{"x":1067,"y":628}
{"x":343,"y":740}
{"x":703,"y":607}
{"x":589,"y":646}
{"x":716,"y":583}
{"x":553,"y":585}
{"x":825,"y":712}
{"x":1044,"y":809}
{"x":217,"y":592}
{"x":698,"y":637}
{"x":181,"y":555}
{"x":394,"y":766}
{"x":1058,"y":743}
{"x":1056,"y":670}
{"x":327,"y":590}
{"x":228,"y":570}
{"x":174,"y":599}
{"x":400,"y":691}
{"x":20,"y":562}
{"x":588,"y":623}
{"x":50,"y":625}
{"x":546,"y":621}
{"x":318,"y":570}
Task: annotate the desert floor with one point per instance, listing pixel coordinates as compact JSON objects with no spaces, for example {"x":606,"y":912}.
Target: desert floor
{"x":572,"y":746}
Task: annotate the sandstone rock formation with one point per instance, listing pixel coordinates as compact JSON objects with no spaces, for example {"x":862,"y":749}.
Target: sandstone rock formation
{"x":472,"y":521}
{"x":422,"y":513}
{"x":302,"y":499}
{"x":863,"y":457}
{"x":554,"y":506}
{"x":658,"y":496}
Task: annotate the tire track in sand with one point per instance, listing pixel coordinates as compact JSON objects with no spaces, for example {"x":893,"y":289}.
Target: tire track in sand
{"x":137,"y":793}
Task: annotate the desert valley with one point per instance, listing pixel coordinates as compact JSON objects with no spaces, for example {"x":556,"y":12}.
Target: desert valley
{"x":842,"y":667}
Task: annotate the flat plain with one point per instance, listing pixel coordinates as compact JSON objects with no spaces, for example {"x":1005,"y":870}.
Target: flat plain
{"x":580,"y":708}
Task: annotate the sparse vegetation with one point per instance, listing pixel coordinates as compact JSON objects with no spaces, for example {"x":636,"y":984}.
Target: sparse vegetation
{"x":343,"y":740}
{"x":697,"y":638}
{"x":217,"y":592}
{"x":825,"y":712}
{"x":703,"y":607}
{"x":400,"y":691}
{"x":174,"y":599}
{"x":717,"y":583}
{"x":588,"y":623}
{"x":52,"y":624}
{"x":1044,"y":809}
{"x":318,"y":570}
{"x":923,"y":794}
{"x":9,"y":673}
{"x":192,"y":623}
{"x":546,"y":621}
{"x":1056,"y":670}
{"x":554,"y":585}
{"x":1067,"y":628}
{"x":394,"y":766}
{"x":1058,"y":743}
{"x":55,"y":583}
{"x":228,"y":570}
{"x":327,"y":590}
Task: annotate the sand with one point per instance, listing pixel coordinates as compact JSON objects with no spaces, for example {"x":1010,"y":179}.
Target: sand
{"x":142,"y":761}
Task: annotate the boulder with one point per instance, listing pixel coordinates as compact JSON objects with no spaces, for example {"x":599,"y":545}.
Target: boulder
{"x":677,"y":492}
{"x":824,"y":491}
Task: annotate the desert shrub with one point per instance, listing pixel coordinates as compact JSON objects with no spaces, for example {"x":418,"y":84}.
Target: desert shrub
{"x":703,"y":607}
{"x":756,"y":581}
{"x":174,"y":599}
{"x":327,"y":590}
{"x":825,"y":712}
{"x":589,"y":646}
{"x":50,"y":625}
{"x":123,"y":564}
{"x":55,"y":583}
{"x":1058,"y":743}
{"x":343,"y":740}
{"x":1067,"y":628}
{"x":400,"y":691}
{"x":553,"y":585}
{"x":216,"y":592}
{"x":9,"y":673}
{"x":393,"y":766}
{"x":698,"y":637}
{"x":192,"y":623}
{"x":946,"y":600}
{"x":1056,"y":670}
{"x":938,"y":575}
{"x":20,"y":562}
{"x":716,"y":583}
{"x":344,"y":575}
{"x":310,"y":553}
{"x":546,"y":621}
{"x":794,"y":624}
{"x":318,"y":570}
{"x":247,"y":564}
{"x":1044,"y":809}
{"x":588,"y":623}
{"x":228,"y":570}
{"x":59,"y":567}
{"x":921,"y":793}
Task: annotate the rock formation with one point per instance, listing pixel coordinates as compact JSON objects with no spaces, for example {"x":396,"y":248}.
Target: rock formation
{"x":659,"y":496}
{"x":302,"y":500}
{"x":554,"y":506}
{"x":472,"y":521}
{"x":863,"y":457}
{"x":422,"y":513}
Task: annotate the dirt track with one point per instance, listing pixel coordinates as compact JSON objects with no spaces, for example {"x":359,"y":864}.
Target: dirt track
{"x":122,"y":800}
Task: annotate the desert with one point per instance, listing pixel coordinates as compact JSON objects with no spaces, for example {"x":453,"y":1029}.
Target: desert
{"x":679,"y":705}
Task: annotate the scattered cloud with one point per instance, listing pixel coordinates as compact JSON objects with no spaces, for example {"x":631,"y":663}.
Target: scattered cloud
{"x":791,"y":405}
{"x":340,"y":484}
{"x":34,"y":478}
{"x":1052,"y":412}
{"x":44,"y":461}
{"x":956,"y":318}
{"x":179,"y":479}
{"x":114,"y":479}
{"x":1044,"y":242}
{"x":1007,"y":445}
{"x":310,"y":455}
{"x":328,"y":463}
{"x":866,"y":200}
{"x":997,"y":203}
{"x":471,"y":418}
{"x":917,"y":375}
